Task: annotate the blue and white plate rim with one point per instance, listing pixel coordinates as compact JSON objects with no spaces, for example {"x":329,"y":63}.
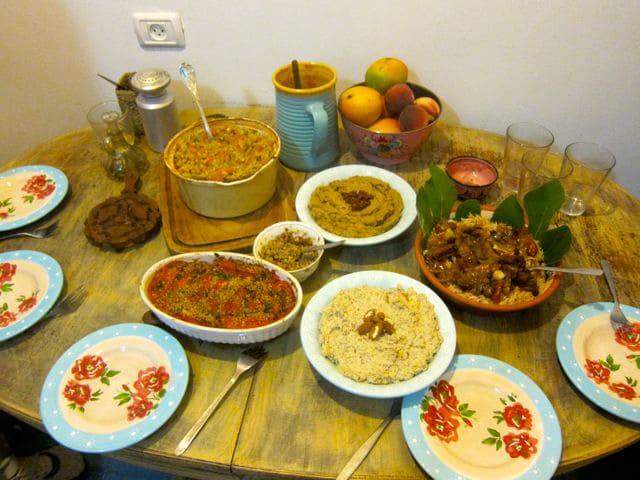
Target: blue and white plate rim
{"x":62,"y":187}
{"x":49,"y":298}
{"x":548,"y":458}
{"x":89,"y":442}
{"x":577,"y":376}
{"x":324,"y":177}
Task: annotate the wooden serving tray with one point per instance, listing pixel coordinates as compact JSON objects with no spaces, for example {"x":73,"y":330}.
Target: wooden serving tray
{"x":187,"y":231}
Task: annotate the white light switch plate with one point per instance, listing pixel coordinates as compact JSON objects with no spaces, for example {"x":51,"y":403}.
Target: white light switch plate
{"x":162,"y":29}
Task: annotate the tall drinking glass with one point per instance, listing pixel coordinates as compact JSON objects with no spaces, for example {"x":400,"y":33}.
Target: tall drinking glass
{"x":591,"y":165}
{"x":523,"y":137}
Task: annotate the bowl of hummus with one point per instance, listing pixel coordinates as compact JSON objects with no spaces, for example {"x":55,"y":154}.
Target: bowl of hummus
{"x":361,"y":204}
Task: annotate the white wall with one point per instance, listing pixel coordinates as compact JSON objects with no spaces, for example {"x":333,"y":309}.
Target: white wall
{"x":573,"y":65}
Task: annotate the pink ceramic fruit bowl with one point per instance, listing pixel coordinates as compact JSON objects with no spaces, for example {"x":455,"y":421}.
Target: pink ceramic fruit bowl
{"x":391,"y":148}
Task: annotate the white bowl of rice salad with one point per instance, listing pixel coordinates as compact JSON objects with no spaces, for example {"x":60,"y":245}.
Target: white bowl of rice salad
{"x":234,"y":174}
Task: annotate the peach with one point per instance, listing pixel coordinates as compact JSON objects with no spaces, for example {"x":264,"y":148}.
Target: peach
{"x":429,"y":104}
{"x":397,"y":97}
{"x":386,"y":125}
{"x":413,"y":117}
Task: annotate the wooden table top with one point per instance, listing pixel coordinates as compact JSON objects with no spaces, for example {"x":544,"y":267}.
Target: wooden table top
{"x":285,"y":420}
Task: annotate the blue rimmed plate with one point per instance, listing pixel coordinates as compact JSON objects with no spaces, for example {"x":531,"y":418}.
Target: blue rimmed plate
{"x":310,"y":332}
{"x":29,"y":193}
{"x":30,"y":284}
{"x":114,"y":387}
{"x":482,"y":418}
{"x":601,"y":359}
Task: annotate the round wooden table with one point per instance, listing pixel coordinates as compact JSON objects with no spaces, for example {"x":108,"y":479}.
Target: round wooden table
{"x":285,"y":420}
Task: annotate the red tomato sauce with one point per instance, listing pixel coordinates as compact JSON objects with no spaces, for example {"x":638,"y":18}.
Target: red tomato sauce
{"x":226,"y":293}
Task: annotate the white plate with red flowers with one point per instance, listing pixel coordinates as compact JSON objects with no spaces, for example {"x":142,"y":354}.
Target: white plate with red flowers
{"x":114,"y":388}
{"x":29,"y":193}
{"x":482,"y":419}
{"x":30,"y":284}
{"x":602,"y":359}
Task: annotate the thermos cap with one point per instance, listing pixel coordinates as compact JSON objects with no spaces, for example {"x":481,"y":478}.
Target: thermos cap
{"x":150,"y":81}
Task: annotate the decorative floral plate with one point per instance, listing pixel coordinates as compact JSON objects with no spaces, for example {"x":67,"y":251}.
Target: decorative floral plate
{"x":114,"y":388}
{"x":324,"y":177}
{"x":29,"y":193}
{"x":602,"y":359}
{"x":482,"y":419}
{"x":30,"y":283}
{"x":309,"y":334}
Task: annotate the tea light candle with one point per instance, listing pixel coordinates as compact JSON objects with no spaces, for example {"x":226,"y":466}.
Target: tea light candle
{"x":472,"y":175}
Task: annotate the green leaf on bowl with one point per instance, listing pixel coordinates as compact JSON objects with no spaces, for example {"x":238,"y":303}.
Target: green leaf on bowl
{"x":468,"y":208}
{"x":541,"y":205}
{"x":435,"y":199}
{"x":555,"y":244}
{"x":510,"y":212}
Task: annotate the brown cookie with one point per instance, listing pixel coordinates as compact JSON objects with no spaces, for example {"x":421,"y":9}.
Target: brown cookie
{"x":122,"y":221}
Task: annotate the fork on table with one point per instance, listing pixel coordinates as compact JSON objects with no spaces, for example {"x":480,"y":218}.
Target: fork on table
{"x":617,"y":315}
{"x":40,"y":232}
{"x":68,"y":304}
{"x":247,"y":359}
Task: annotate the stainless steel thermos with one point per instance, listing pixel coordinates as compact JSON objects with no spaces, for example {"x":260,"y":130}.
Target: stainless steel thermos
{"x":156,"y":106}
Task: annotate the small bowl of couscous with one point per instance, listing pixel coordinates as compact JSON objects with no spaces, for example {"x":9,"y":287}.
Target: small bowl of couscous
{"x":283,"y":244}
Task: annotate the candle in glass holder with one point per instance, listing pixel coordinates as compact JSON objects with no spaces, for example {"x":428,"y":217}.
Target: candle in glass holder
{"x":473,"y":176}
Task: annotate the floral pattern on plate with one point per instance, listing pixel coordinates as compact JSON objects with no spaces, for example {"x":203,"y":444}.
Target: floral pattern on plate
{"x":114,"y":387}
{"x":601,"y":358}
{"x":482,"y":419}
{"x":30,"y":283}
{"x":29,"y":193}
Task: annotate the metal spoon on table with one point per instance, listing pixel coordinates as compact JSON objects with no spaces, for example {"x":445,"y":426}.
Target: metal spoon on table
{"x":577,"y":270}
{"x":188,"y":76}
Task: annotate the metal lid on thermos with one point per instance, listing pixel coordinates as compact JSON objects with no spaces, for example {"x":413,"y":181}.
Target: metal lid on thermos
{"x":150,"y":81}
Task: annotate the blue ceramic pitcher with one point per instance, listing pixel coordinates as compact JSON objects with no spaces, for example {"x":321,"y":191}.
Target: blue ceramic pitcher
{"x":306,"y":117}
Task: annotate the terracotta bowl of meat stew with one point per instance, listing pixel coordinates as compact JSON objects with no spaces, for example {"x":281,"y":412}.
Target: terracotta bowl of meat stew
{"x":477,"y":302}
{"x":222,"y":297}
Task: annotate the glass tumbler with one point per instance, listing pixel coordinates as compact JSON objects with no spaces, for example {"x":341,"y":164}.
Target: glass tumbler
{"x":591,"y":165}
{"x":522,"y":138}
{"x":537,"y":171}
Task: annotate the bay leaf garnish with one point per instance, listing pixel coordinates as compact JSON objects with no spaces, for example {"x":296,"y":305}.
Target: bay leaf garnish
{"x":435,"y":199}
{"x":541,"y":205}
{"x":510,"y":212}
{"x":468,"y":208}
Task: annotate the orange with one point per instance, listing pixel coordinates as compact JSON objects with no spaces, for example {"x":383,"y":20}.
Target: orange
{"x":386,"y":125}
{"x":361,"y":105}
{"x":386,"y":72}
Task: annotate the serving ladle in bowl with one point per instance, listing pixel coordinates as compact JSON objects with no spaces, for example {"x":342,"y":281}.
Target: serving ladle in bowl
{"x":188,"y":76}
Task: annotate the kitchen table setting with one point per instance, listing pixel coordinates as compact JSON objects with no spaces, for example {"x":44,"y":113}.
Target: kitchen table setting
{"x":338,"y":286}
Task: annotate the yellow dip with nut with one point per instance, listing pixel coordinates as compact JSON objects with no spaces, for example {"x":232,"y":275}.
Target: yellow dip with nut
{"x":356,"y":207}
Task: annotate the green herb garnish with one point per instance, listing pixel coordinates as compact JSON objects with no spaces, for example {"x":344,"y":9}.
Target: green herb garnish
{"x":435,"y":199}
{"x":468,"y":208}
{"x":438,"y":194}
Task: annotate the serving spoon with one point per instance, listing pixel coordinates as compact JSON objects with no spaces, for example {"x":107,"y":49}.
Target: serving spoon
{"x":313,"y":248}
{"x":577,"y":270}
{"x":188,"y":76}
